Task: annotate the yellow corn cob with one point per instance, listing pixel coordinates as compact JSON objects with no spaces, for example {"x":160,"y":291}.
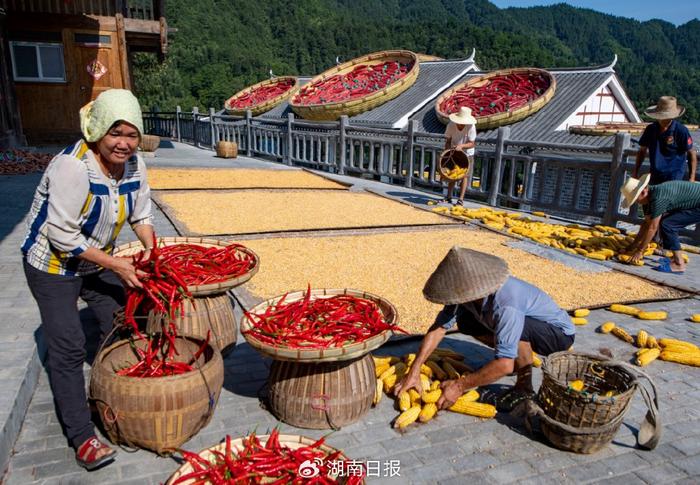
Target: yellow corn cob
{"x":460,"y":367}
{"x":652,"y":315}
{"x":576,"y":385}
{"x":652,"y":343}
{"x":539,"y":214}
{"x":687,"y":358}
{"x":413,"y":394}
{"x":582,"y":312}
{"x":626,"y":309}
{"x":626,"y":258}
{"x":607,"y":327}
{"x":379,"y":369}
{"x":451,"y":371}
{"x":695,"y":317}
{"x":434,"y":385}
{"x":683,"y":349}
{"x":438,"y":373}
{"x":609,"y":394}
{"x":426,"y":371}
{"x":622,"y":335}
{"x":536,"y":361}
{"x":404,"y":401}
{"x":384,"y":359}
{"x":378,"y":392}
{"x":409,"y":358}
{"x":425,"y":382}
{"x":664,"y":342}
{"x":431,"y":396}
{"x":398,"y":368}
{"x":389,"y":382}
{"x":642,"y":339}
{"x":407,"y":417}
{"x":646,"y":356}
{"x":597,"y":255}
{"x":478,"y":409}
{"x":426,"y":414}
{"x":469,"y":396}
{"x":579,"y":321}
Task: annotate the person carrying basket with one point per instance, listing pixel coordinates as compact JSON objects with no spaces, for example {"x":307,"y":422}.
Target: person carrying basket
{"x":460,"y":135}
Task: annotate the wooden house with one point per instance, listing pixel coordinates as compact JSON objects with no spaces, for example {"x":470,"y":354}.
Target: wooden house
{"x":57,"y":55}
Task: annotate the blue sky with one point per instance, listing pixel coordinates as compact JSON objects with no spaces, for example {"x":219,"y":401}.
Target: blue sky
{"x":674,"y":11}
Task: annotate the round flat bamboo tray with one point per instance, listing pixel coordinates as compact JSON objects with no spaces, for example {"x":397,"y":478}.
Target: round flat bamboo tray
{"x":197,"y":290}
{"x":268,"y":104}
{"x":451,"y":159}
{"x":611,"y":129}
{"x":226,"y":149}
{"x":159,"y":413}
{"x":149,"y":143}
{"x":333,"y":111}
{"x":327,"y":395}
{"x":428,"y":57}
{"x":505,"y":117}
{"x":331,"y":354}
{"x":292,"y":441}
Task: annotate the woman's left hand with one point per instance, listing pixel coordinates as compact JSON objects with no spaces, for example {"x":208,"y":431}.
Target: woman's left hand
{"x":126,"y":272}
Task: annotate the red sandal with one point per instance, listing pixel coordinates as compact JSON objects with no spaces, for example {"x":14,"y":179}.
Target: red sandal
{"x":86,"y":455}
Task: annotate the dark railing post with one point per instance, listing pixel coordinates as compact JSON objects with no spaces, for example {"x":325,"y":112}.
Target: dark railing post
{"x":290,"y":139}
{"x":195,"y":114}
{"x":617,"y":178}
{"x":410,"y":134}
{"x":211,"y":126}
{"x":249,"y":132}
{"x":341,"y":141}
{"x":178,"y":111}
{"x":497,"y":169}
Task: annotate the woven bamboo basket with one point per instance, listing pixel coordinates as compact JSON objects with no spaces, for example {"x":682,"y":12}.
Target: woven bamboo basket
{"x":226,"y":149}
{"x":451,"y":159}
{"x":159,"y":413}
{"x":205,"y":314}
{"x":506,"y":117}
{"x":149,"y":143}
{"x":346,"y":352}
{"x":333,"y":111}
{"x":428,"y":57}
{"x":134,"y":247}
{"x":292,"y":441}
{"x":268,"y":104}
{"x":611,"y":129}
{"x":326,"y":395}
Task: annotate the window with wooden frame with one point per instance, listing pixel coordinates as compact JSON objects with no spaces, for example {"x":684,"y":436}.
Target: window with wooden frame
{"x":38,"y":61}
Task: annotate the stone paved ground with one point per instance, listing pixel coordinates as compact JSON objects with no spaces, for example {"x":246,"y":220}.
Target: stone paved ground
{"x":451,"y":449}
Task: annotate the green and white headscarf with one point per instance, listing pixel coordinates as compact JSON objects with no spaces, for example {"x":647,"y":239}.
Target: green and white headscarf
{"x":111,"y":106}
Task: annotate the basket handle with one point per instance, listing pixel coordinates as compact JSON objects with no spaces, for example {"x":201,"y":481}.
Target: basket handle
{"x":533,"y":409}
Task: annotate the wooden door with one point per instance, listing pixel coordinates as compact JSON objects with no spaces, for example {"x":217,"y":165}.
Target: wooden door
{"x":96,"y":67}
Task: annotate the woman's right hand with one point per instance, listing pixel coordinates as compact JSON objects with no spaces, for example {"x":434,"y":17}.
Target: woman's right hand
{"x":126,"y":272}
{"x":408,"y":381}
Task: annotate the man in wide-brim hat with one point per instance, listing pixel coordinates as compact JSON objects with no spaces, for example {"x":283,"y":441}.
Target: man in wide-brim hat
{"x":668,"y":144}
{"x":460,"y":134}
{"x":668,"y":207}
{"x":508,"y":314}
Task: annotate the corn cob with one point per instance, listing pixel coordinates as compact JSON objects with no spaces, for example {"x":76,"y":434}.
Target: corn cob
{"x":576,"y":385}
{"x":620,"y":333}
{"x":407,"y":417}
{"x":626,"y":258}
{"x":425,"y":382}
{"x":582,"y":312}
{"x":435,"y":385}
{"x":652,"y":343}
{"x":431,"y":396}
{"x":384,"y":359}
{"x":409,"y":358}
{"x":695,"y":318}
{"x":536,"y":361}
{"x":626,"y":309}
{"x":478,"y":409}
{"x":451,"y":371}
{"x":380,"y":368}
{"x":652,"y":315}
{"x":389,"y":383}
{"x":428,"y":412}
{"x":438,"y":373}
{"x":426,"y":371}
{"x":665,"y":342}
{"x":378,"y":392}
{"x":460,"y":367}
{"x":404,"y":401}
{"x":642,"y":339}
{"x":579,"y":321}
{"x":539,"y":214}
{"x":398,"y":369}
{"x":596,"y":255}
{"x":414,"y":395}
{"x":687,"y":358}
{"x":646,"y":356}
{"x":607,"y":327}
{"x":448,"y":353}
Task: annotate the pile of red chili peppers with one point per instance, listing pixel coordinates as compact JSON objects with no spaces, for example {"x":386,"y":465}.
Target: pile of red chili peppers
{"x":318,"y":323}
{"x":498,"y":94}
{"x":272,"y":463}
{"x":261,"y":94}
{"x":362,"y":80}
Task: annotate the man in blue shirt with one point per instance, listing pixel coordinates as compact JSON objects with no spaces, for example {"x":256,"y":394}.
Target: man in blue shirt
{"x":508,"y":314}
{"x":668,"y":144}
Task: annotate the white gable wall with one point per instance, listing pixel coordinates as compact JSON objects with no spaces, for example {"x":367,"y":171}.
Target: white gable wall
{"x":607,"y":104}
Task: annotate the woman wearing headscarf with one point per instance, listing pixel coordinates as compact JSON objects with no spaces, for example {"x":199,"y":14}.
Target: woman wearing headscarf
{"x":86,"y":194}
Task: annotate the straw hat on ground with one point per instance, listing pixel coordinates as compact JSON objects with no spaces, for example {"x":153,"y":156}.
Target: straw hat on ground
{"x":465,"y":275}
{"x":463,"y":117}
{"x":632,"y":189}
{"x":666,"y":108}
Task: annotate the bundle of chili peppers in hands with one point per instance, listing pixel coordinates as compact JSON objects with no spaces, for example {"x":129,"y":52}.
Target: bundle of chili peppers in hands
{"x":271,"y":463}
{"x":318,"y":323}
{"x":261,"y":94}
{"x":498,"y":94}
{"x":362,"y":80}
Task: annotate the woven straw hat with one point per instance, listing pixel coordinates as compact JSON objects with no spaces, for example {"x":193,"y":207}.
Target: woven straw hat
{"x":463,"y":116}
{"x":666,"y":108}
{"x":465,"y":275}
{"x":632,"y":189}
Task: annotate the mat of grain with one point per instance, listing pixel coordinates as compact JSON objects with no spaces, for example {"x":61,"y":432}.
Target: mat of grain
{"x":226,"y":178}
{"x":214,"y":213}
{"x":396,"y":265}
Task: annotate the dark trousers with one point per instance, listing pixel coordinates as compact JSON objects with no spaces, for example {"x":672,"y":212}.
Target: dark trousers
{"x":673,"y":222}
{"x":57,"y":297}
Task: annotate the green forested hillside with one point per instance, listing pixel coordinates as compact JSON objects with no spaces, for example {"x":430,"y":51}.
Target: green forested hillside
{"x":224,"y":45}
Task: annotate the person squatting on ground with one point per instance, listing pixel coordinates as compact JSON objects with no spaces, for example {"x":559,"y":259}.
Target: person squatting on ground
{"x":511,"y":316}
{"x":460,"y":134}
{"x":86,"y":194}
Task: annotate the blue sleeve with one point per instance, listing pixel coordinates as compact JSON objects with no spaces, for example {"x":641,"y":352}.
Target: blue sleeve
{"x":684,"y":142}
{"x":446,"y":318}
{"x":509,"y":328}
{"x":647,"y":137}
